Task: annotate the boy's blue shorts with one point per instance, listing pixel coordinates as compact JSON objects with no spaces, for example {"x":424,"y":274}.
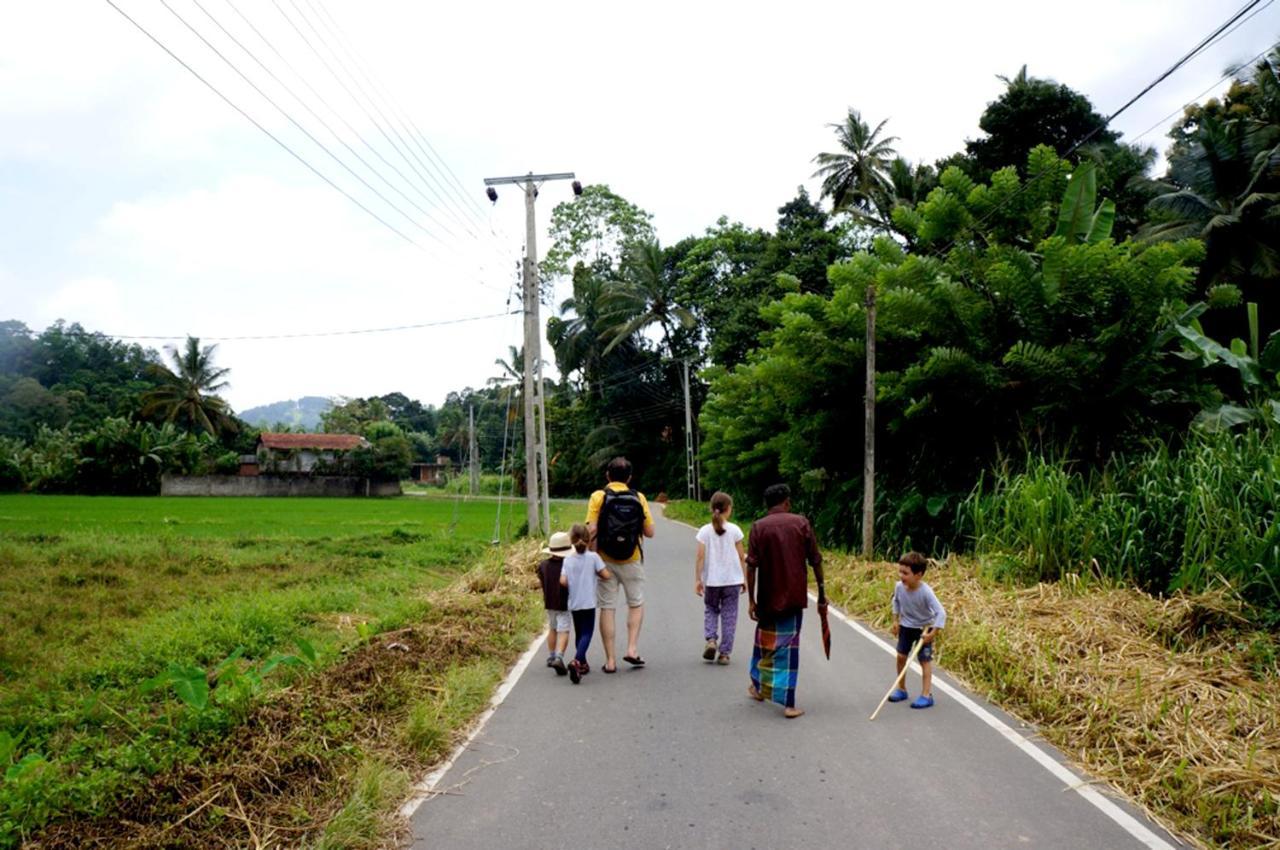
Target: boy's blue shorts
{"x":907,"y":638}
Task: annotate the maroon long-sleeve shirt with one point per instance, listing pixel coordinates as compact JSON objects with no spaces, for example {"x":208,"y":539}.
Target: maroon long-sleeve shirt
{"x":781,"y":545}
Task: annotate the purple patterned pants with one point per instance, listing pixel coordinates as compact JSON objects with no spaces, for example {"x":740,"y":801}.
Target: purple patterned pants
{"x":721,"y":609}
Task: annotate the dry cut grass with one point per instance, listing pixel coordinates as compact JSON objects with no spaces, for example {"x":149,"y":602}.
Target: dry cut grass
{"x":1174,"y":701}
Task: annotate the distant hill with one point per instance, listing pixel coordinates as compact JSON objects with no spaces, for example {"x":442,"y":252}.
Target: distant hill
{"x":298,"y":413}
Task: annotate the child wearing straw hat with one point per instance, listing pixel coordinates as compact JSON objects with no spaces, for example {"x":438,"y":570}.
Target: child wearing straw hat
{"x":917,"y":615}
{"x":555,"y":598}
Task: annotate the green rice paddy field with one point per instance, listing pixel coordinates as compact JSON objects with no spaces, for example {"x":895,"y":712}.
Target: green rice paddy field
{"x":100,"y":594}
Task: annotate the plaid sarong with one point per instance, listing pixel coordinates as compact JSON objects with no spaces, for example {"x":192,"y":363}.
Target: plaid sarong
{"x":775,"y":660}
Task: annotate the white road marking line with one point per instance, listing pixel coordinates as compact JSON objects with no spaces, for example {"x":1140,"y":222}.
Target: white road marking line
{"x":1075,"y":783}
{"x":423,"y":790}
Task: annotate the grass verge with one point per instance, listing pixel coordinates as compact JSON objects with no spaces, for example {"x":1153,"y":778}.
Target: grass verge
{"x":325,"y":761}
{"x":1173,"y":701}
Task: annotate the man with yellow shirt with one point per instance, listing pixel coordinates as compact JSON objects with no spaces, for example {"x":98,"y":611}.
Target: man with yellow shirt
{"x":618,"y":518}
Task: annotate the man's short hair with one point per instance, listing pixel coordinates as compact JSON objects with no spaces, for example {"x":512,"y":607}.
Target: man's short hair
{"x":914,"y":561}
{"x":619,"y":469}
{"x":776,"y":494}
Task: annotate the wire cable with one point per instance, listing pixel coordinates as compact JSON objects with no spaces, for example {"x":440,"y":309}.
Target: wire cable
{"x":375,"y":88}
{"x":320,"y":119}
{"x":354,"y":97}
{"x":298,"y":125}
{"x":1107,"y":121}
{"x":1228,"y":75}
{"x":267,"y":132}
{"x":339,"y":35}
{"x":318,"y":95}
{"x":314,"y":334}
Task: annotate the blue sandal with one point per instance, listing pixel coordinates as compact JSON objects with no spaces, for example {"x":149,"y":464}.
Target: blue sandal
{"x":898,"y":696}
{"x":922,"y":702}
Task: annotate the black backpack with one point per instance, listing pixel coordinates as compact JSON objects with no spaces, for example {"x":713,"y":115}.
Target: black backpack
{"x":621,"y":524}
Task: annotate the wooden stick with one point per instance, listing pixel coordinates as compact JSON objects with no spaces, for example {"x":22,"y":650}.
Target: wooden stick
{"x":897,"y":683}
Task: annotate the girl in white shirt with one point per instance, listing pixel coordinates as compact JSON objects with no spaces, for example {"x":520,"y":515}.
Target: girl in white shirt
{"x":579,"y":573}
{"x":719,"y":577}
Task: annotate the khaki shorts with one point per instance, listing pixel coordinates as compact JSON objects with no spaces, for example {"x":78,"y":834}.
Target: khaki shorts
{"x":631,"y":576}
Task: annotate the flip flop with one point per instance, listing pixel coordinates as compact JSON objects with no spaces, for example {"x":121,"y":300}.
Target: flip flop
{"x":607,"y":670}
{"x":633,"y":660}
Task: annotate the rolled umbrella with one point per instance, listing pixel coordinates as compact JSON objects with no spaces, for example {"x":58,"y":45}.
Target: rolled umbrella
{"x":826,"y":626}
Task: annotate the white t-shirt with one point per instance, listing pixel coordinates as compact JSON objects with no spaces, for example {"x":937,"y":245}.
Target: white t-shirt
{"x":582,"y":571}
{"x":722,"y":567}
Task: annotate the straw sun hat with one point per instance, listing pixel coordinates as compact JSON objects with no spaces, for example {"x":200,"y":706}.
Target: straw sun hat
{"x":559,"y":545}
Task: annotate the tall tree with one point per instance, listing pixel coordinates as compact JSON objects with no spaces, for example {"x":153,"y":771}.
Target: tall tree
{"x":856,"y":177}
{"x":187,"y":394}
{"x":1030,"y":112}
{"x":643,"y":296}
{"x":594,"y":229}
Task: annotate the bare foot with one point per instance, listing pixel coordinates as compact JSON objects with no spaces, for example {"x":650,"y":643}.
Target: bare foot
{"x":754,"y":694}
{"x":792,"y":713}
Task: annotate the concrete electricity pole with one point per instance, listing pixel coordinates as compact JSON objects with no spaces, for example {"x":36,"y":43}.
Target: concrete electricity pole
{"x":538,"y":503}
{"x":691,"y":470}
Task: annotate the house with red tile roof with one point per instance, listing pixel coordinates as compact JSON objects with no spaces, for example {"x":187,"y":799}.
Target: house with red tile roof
{"x":301,"y":452}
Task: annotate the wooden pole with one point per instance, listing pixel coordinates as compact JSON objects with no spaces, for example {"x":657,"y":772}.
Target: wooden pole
{"x":869,"y":433}
{"x":897,"y":683}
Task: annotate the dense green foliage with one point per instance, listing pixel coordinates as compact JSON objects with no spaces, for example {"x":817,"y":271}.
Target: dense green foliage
{"x":1159,"y":518}
{"x":1017,"y":317}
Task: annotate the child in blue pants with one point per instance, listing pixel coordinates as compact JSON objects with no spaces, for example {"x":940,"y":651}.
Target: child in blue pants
{"x":580,"y":572}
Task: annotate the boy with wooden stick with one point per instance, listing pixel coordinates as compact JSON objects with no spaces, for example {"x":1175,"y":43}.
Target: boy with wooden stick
{"x":917,"y":615}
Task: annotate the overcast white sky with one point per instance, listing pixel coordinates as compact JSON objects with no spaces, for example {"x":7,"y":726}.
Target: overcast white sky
{"x":136,"y":202}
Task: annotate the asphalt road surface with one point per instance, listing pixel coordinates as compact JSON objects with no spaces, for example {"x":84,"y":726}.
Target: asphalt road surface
{"x":676,"y":755}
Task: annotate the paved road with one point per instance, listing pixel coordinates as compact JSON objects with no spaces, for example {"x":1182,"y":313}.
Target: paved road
{"x":676,"y":755}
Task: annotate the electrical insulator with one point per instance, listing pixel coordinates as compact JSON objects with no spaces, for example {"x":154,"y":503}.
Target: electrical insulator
{"x":577,"y":188}
{"x":492,"y":193}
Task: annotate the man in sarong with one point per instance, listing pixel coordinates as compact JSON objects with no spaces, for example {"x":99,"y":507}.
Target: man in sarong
{"x":781,"y":545}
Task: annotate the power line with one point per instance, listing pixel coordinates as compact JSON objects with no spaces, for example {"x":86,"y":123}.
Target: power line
{"x":375,"y":89}
{"x":354,"y":97}
{"x":267,"y":132}
{"x":340,"y":36}
{"x":1172,"y":68}
{"x":316,"y":115}
{"x":297,"y":124}
{"x":1164,"y":121}
{"x":1191,"y":54}
{"x":315,"y":334}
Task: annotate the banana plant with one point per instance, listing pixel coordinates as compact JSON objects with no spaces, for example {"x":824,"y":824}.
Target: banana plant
{"x":1079,"y":222}
{"x":1257,"y":366}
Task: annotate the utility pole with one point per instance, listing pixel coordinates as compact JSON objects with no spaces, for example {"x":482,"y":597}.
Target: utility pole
{"x":691,"y":472}
{"x":475,"y":456}
{"x":538,"y":505}
{"x":869,"y":433}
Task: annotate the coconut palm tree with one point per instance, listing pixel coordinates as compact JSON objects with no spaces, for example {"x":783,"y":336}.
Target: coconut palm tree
{"x":187,"y":394}
{"x":1224,"y":188}
{"x":643,"y":296}
{"x":857,"y":178}
{"x":574,"y":335}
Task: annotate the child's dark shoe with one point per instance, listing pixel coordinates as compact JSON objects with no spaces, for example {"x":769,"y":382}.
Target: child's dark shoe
{"x":557,"y":664}
{"x":922,"y":702}
{"x":709,"y":651}
{"x":575,"y":672}
{"x":898,"y":696}
{"x":551,"y":660}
